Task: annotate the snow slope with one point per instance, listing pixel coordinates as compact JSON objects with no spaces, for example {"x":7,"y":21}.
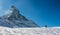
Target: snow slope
{"x":29,"y":31}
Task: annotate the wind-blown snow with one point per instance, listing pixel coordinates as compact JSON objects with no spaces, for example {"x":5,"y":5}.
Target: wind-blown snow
{"x":29,"y":31}
{"x":8,"y":12}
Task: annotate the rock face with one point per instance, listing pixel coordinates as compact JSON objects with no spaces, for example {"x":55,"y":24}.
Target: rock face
{"x":14,"y":19}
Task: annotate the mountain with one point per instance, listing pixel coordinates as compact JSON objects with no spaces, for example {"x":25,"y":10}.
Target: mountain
{"x":14,"y":19}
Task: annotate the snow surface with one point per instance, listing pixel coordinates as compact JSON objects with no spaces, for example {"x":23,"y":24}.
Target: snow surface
{"x":29,"y":31}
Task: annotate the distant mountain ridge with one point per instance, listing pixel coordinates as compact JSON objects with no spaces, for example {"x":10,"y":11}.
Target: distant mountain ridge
{"x":14,"y":19}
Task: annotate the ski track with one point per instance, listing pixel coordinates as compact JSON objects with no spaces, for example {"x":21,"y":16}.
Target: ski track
{"x":29,"y":31}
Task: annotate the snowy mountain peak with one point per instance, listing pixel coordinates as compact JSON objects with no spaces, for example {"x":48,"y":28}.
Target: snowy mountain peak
{"x":14,"y":9}
{"x":14,"y":19}
{"x":13,"y":13}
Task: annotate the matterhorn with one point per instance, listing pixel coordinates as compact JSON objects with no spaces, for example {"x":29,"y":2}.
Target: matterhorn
{"x":14,"y":19}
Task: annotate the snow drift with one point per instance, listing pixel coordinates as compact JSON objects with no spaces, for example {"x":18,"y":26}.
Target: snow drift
{"x":29,"y":31}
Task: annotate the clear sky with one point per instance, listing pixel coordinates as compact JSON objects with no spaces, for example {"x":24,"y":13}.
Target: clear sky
{"x":42,"y":12}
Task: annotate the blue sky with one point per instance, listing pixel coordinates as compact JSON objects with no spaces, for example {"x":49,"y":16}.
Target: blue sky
{"x":42,"y":12}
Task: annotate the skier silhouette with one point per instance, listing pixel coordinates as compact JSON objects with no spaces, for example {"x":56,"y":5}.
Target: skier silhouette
{"x":45,"y":26}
